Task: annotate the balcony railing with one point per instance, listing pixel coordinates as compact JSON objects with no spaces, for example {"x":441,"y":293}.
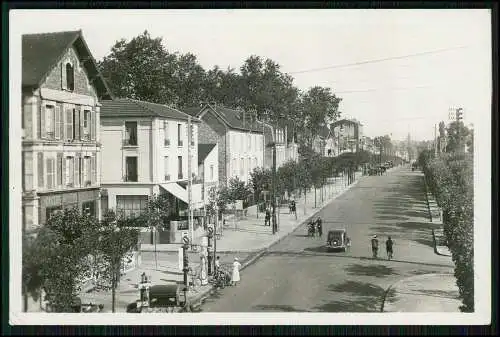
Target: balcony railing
{"x":130,"y":142}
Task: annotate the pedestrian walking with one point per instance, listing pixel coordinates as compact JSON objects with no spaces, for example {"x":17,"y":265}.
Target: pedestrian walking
{"x":388,"y":247}
{"x":374,"y":246}
{"x":236,"y":272}
{"x":267,"y":220}
{"x":319,"y":226}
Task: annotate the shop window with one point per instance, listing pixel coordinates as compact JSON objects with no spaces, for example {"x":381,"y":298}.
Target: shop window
{"x":130,"y":206}
{"x":88,"y":208}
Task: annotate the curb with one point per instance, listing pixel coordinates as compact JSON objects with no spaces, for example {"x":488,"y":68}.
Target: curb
{"x":395,"y":284}
{"x":198,"y":300}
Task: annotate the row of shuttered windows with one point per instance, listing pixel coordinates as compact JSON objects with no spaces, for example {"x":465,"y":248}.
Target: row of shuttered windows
{"x":57,"y":121}
{"x":59,"y":171}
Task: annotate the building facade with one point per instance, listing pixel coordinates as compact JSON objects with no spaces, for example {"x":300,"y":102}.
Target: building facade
{"x":285,"y":150}
{"x":240,"y":141}
{"x":145,"y":152}
{"x":347,"y":136}
{"x":208,"y":168}
{"x":61,"y":152}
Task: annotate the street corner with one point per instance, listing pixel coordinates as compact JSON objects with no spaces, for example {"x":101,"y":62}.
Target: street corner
{"x":432,"y":292}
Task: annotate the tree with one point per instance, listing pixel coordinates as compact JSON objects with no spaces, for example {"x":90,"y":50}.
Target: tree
{"x":141,"y":69}
{"x":318,"y":107}
{"x":114,"y":242}
{"x":57,"y":259}
{"x":458,"y":134}
{"x":238,"y":190}
{"x":261,"y":180}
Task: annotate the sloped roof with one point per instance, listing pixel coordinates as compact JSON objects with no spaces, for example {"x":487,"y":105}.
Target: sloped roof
{"x":193,"y":111}
{"x":203,"y":151}
{"x":344,"y":121}
{"x":232,"y":118}
{"x":42,"y":52}
{"x":128,"y":107}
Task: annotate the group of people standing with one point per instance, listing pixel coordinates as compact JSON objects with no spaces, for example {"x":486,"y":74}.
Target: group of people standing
{"x":389,"y":243}
{"x":315,"y":226}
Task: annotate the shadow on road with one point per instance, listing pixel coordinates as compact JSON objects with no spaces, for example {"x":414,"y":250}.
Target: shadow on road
{"x":363,"y":297}
{"x":378,"y":270}
{"x":277,"y":307}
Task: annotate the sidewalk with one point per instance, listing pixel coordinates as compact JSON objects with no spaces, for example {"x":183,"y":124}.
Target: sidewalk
{"x":436,"y":217}
{"x":248,"y":234}
{"x":246,"y":238}
{"x":423,"y":293}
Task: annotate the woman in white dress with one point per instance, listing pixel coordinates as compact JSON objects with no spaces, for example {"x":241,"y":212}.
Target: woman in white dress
{"x":236,"y":271}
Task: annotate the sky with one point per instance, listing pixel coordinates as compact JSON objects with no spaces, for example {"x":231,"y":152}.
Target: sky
{"x":397,"y":97}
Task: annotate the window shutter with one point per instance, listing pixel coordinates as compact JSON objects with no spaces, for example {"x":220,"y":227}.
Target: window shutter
{"x":40,"y":169}
{"x":64,"y":177}
{"x":59,"y":169}
{"x":76,"y":124}
{"x":76,"y":179}
{"x":92,"y":124}
{"x":82,"y":115}
{"x":39,"y":122}
{"x":58,"y":121}
{"x":50,"y":174}
{"x":63,"y":76}
{"x":93,"y":177}
{"x":42,"y":121}
{"x":69,"y":123}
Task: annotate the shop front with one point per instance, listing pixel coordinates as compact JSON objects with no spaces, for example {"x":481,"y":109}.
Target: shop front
{"x":86,"y":201}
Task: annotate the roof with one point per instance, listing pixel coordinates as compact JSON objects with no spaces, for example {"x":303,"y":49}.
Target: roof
{"x":193,"y":111}
{"x":42,"y":52}
{"x":203,"y":151}
{"x":234,"y":119}
{"x":345,"y":121}
{"x":128,"y":107}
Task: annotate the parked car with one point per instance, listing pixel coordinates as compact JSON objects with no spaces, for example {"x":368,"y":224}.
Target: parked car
{"x":337,"y":239}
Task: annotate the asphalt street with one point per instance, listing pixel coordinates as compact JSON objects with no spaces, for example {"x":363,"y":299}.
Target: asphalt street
{"x":298,"y":274}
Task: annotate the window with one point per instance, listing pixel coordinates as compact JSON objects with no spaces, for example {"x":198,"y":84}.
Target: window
{"x":248,"y":169}
{"x":235,"y":168}
{"x":70,"y":77}
{"x":59,"y":169}
{"x":86,"y":124}
{"x":51,"y":177}
{"x":211,"y":172}
{"x":166,"y":135}
{"x":249,"y":141}
{"x":70,"y":168}
{"x":192,"y":135}
{"x":49,"y":119}
{"x":76,"y":124}
{"x":87,"y":171}
{"x":27,"y":171}
{"x":179,"y":162}
{"x":165,"y":168}
{"x":130,"y":168}
{"x":88,"y":208}
{"x":179,"y":134}
{"x":242,"y":169}
{"x":130,"y":133}
{"x":131,"y":205}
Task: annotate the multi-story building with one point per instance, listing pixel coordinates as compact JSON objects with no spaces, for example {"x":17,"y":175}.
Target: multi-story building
{"x":348,"y":135}
{"x":145,"y":152}
{"x":285,"y":150}
{"x":61,"y":93}
{"x":208,"y":162}
{"x":321,"y":143}
{"x":240,"y":140}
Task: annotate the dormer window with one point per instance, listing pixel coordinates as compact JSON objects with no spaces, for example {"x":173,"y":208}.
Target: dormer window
{"x":70,"y":77}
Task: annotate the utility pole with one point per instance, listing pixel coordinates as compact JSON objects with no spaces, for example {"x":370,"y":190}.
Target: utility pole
{"x":274,"y":224}
{"x":190,"y":182}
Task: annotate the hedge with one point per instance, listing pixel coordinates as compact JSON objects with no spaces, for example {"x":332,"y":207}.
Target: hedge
{"x":450,"y":179}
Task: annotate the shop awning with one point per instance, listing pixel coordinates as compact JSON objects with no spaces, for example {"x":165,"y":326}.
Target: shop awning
{"x":176,"y":190}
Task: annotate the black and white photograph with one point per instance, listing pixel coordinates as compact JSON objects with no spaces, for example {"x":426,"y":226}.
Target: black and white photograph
{"x":250,"y":166}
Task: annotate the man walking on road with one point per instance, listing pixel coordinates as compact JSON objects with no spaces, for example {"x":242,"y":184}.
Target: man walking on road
{"x":319,"y":226}
{"x":374,"y":246}
{"x":388,"y":247}
{"x":267,"y":220}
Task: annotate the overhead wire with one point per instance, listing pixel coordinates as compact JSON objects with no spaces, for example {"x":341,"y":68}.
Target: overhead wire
{"x":437,"y":51}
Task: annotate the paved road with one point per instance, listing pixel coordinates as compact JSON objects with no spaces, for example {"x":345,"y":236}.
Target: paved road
{"x":299,"y":275}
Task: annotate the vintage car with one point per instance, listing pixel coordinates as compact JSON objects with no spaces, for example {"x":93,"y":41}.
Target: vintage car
{"x":337,"y":239}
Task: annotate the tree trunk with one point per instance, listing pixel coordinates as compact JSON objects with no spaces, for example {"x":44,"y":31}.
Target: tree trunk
{"x":314,"y":196}
{"x":305,"y":200}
